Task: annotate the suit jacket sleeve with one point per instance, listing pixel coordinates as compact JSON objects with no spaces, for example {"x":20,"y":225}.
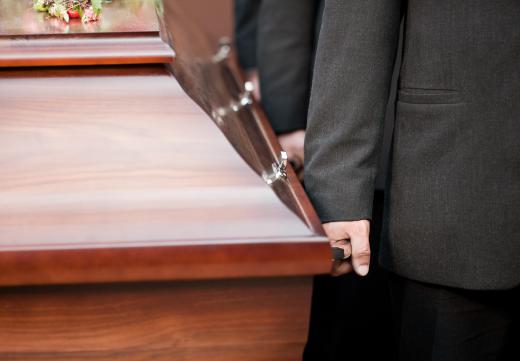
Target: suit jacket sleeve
{"x":286,"y":32}
{"x":246,"y":20}
{"x":352,"y":78}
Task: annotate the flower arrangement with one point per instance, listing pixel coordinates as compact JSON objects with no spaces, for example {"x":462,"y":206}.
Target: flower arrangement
{"x":87,"y":10}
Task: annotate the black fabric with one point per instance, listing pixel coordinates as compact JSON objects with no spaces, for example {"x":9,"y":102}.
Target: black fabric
{"x":454,"y":196}
{"x":246,"y":23}
{"x":286,"y":42}
{"x":287,"y":35}
{"x":437,"y":323}
{"x":351,"y":318}
{"x":246,"y":18}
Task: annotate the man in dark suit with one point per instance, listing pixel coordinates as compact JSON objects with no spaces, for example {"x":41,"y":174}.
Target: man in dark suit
{"x":452,"y":234}
{"x":276,"y":44}
{"x":245,"y":29}
{"x":287,"y":34}
{"x":285,"y":41}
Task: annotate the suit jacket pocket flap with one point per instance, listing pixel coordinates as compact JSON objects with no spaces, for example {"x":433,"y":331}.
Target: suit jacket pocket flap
{"x":429,"y":96}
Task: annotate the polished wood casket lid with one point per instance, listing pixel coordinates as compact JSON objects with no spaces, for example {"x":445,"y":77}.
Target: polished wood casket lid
{"x":112,"y":173}
{"x":128,"y":32}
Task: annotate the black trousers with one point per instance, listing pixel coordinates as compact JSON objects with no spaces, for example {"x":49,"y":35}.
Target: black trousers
{"x":435,"y":323}
{"x":351,"y":316}
{"x":384,"y":317}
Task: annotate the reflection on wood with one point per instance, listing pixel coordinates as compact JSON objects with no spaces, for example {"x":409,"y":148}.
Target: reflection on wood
{"x":134,"y":164}
{"x":215,"y":84}
{"x":127,"y":33}
{"x":112,"y":175}
{"x":17,"y":17}
{"x":253,"y":320}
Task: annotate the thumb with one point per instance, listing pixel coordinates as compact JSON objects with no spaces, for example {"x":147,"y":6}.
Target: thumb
{"x":360,"y":253}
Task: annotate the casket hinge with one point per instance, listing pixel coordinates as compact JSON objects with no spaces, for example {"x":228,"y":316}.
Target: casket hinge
{"x":279,"y":170}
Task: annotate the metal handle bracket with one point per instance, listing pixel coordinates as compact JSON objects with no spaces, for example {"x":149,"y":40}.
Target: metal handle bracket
{"x":244,"y":99}
{"x":279,"y":170}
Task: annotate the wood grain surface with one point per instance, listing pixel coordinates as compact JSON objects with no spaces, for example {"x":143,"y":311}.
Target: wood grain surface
{"x":112,"y":175}
{"x":127,"y":33}
{"x":233,"y":320}
{"x":215,"y":84}
{"x":17,"y":17}
{"x":119,"y":162}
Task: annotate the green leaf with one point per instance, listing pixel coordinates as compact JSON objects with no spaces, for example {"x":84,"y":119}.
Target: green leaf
{"x":39,"y":5}
{"x":96,"y":6}
{"x":58,"y":8}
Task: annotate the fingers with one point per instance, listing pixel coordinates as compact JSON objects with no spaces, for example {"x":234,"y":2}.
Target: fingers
{"x":352,"y":237}
{"x":293,"y":144}
{"x":340,"y":268}
{"x":344,"y":245}
{"x":360,"y":253}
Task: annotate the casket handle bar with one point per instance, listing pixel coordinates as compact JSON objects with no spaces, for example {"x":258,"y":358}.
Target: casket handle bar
{"x":224,"y":49}
{"x":244,"y":99}
{"x":279,"y":170}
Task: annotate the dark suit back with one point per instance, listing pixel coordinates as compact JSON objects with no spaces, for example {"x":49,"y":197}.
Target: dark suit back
{"x":287,"y":33}
{"x":245,"y":26}
{"x":454,"y":203}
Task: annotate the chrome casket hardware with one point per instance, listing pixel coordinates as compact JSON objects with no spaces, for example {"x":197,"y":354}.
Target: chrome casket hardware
{"x":244,"y":99}
{"x":223,"y":51}
{"x":279,"y":170}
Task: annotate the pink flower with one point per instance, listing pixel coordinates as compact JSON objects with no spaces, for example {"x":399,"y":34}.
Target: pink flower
{"x":89,"y":15}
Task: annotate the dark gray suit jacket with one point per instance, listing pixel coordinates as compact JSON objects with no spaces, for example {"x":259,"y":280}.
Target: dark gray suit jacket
{"x":278,"y":38}
{"x":245,"y":26}
{"x":453,"y":214}
{"x":287,"y":34}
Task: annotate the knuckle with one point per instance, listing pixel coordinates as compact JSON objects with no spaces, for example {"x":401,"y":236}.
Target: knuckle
{"x":363,"y":231}
{"x":361,"y":228}
{"x":360,"y":253}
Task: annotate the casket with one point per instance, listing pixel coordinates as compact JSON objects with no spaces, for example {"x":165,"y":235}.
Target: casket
{"x":147,"y":211}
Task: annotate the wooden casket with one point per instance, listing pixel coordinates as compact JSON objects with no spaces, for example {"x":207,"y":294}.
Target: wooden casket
{"x":146,"y":211}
